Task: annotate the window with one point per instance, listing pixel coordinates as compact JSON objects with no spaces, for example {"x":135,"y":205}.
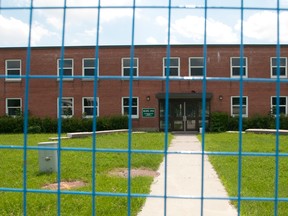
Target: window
{"x":126,"y":63}
{"x":88,"y":107}
{"x":67,"y":68}
{"x":13,"y":68}
{"x":282,"y":66}
{"x":88,"y":67}
{"x":196,"y":66}
{"x":13,"y":106}
{"x":125,"y":107}
{"x":282,"y":105}
{"x":174,"y":67}
{"x":67,"y":107}
{"x":236,"y":64}
{"x":235,"y":106}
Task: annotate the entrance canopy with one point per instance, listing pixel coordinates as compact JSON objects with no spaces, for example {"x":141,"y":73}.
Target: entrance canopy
{"x":183,"y":95}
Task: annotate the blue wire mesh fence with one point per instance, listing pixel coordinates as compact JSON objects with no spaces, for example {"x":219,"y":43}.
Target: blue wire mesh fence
{"x":30,"y":10}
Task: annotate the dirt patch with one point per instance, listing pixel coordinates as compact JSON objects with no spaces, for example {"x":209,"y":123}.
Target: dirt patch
{"x":123,"y":172}
{"x":65,"y":185}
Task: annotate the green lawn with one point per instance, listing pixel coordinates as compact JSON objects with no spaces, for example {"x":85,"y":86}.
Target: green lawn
{"x":76,"y":165}
{"x":258,"y":173}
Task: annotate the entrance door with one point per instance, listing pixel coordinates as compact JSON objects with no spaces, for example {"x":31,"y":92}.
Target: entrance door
{"x":184,"y":115}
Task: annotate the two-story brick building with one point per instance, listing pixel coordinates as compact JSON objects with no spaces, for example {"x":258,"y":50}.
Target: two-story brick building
{"x":223,"y":65}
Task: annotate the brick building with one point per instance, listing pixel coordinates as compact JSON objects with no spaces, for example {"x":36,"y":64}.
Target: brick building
{"x":149,"y":84}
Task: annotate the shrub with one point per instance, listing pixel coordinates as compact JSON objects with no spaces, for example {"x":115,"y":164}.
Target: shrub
{"x":49,"y":125}
{"x":219,"y":122}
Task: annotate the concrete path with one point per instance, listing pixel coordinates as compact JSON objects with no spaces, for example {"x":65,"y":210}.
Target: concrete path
{"x":184,"y":179}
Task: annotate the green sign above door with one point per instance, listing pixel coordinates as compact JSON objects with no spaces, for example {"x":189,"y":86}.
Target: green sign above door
{"x":148,"y":112}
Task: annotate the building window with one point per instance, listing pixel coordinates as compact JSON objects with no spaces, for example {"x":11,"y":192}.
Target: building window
{"x":13,"y":106}
{"x":13,"y":68}
{"x":282,"y":105}
{"x":88,"y":107}
{"x":282,"y":66}
{"x":88,"y":68}
{"x":126,"y":66}
{"x":196,"y":66}
{"x":135,"y":107}
{"x":67,"y":107}
{"x":235,"y":106}
{"x":67,"y":68}
{"x":173,"y":69}
{"x":236,"y":64}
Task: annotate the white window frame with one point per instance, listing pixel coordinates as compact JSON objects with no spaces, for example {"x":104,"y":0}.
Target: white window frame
{"x":128,"y":67}
{"x":245,"y":66}
{"x":238,"y":106}
{"x":171,"y":67}
{"x":191,"y":66}
{"x":6,"y":70}
{"x":93,"y":68}
{"x":72,"y":68}
{"x":127,"y":106}
{"x":272,"y":105}
{"x":19,"y":107}
{"x":92,"y":106}
{"x":275,"y":66}
{"x":60,"y":112}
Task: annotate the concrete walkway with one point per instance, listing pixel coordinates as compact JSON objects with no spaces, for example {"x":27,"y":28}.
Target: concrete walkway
{"x":184,"y":179}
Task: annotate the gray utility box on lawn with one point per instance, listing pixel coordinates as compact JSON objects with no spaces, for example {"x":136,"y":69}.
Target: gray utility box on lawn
{"x":48,"y":159}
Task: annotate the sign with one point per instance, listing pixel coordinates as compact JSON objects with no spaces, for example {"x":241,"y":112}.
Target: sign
{"x":148,"y":112}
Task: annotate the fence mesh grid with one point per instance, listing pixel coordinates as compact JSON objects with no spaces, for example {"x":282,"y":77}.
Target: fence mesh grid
{"x":169,"y":6}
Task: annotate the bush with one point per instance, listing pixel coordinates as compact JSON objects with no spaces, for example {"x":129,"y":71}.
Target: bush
{"x":49,"y":125}
{"x":219,"y":122}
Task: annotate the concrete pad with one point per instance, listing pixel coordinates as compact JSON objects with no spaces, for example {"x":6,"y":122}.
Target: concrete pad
{"x":184,"y":179}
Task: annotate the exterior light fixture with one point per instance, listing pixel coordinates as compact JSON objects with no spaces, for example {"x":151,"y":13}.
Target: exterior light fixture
{"x":148,"y":98}
{"x":220,"y":97}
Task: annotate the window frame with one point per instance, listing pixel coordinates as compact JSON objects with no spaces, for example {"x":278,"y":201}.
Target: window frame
{"x":125,"y":106}
{"x":7,"y":108}
{"x":59,"y":114}
{"x":235,"y":106}
{"x":272,"y":67}
{"x":6,"y":70}
{"x":165,"y":66}
{"x":83,"y":107}
{"x":272,"y":106}
{"x":191,"y":67}
{"x":83,"y":68}
{"x":58,"y":68}
{"x":128,"y":67}
{"x":244,"y":67}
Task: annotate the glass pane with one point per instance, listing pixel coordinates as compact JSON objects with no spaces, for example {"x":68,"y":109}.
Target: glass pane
{"x":134,"y":110}
{"x":275,"y":61}
{"x":89,"y":63}
{"x":14,"y":111}
{"x":196,"y":62}
{"x":89,"y":111}
{"x":89,"y":72}
{"x":13,"y":64}
{"x":88,"y":102}
{"x":68,"y":63}
{"x":178,"y":125}
{"x":125,"y":101}
{"x":134,"y":101}
{"x":282,"y":71}
{"x":13,"y":72}
{"x":173,"y":62}
{"x":196,"y":71}
{"x":14,"y":103}
{"x":66,"y":102}
{"x":173,"y":71}
{"x":66,"y":111}
{"x":237,"y":62}
{"x":67,"y":72}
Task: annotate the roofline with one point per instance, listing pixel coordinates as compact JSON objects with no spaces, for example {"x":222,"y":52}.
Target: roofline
{"x":140,"y":45}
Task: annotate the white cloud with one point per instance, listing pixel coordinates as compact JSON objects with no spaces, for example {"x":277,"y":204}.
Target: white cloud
{"x":151,"y":40}
{"x":192,"y":28}
{"x":262,"y":26}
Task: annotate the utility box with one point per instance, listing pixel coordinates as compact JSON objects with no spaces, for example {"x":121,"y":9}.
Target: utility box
{"x":48,"y":159}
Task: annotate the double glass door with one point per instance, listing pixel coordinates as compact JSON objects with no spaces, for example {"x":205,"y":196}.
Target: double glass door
{"x":184,"y":115}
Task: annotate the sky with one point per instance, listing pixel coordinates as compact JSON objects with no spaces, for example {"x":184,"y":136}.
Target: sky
{"x":150,"y":22}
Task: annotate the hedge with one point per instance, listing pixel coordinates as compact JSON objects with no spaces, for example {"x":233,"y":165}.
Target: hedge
{"x":49,"y":125}
{"x":220,"y":122}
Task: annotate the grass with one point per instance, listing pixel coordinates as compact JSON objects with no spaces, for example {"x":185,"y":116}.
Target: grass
{"x":258,"y":173}
{"x":76,"y":165}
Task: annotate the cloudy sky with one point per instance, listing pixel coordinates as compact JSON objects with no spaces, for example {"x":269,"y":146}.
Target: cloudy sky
{"x":151,"y":23}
